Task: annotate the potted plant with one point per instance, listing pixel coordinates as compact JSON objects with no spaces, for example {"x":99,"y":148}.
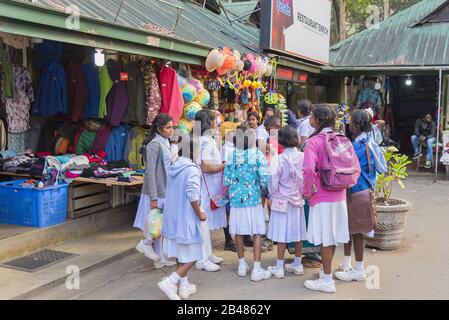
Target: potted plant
{"x":391,"y":213}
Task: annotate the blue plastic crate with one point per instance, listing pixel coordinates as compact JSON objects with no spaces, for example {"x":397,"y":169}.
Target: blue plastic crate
{"x":32,"y":207}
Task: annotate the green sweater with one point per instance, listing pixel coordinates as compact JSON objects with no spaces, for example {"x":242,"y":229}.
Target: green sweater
{"x":85,"y":141}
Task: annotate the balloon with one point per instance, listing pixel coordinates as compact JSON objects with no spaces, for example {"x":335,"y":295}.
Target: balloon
{"x":239,"y":65}
{"x":247,"y":83}
{"x":185,"y":125}
{"x":203,"y":97}
{"x":214,"y":60}
{"x":191,"y":109}
{"x":196,"y":83}
{"x":188,"y":92}
{"x":237,"y":55}
{"x":229,"y":62}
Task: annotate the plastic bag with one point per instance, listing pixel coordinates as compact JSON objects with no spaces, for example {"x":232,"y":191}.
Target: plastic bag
{"x":153,"y":226}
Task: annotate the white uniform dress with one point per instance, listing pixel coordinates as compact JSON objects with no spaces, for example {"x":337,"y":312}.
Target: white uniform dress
{"x":209,"y":152}
{"x":328,"y":224}
{"x":286,"y":227}
{"x":247,"y":221}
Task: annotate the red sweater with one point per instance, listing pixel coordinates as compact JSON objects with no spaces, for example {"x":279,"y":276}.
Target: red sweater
{"x":172,"y":100}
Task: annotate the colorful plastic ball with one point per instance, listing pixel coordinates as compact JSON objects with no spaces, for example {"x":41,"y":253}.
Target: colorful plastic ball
{"x":181,"y":81}
{"x":196,"y":83}
{"x":191,"y":110}
{"x":185,"y":125}
{"x":188,"y":92}
{"x":203,"y":97}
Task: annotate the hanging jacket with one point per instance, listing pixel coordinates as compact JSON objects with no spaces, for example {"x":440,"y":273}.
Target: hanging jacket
{"x":116,"y":144}
{"x":172,"y":100}
{"x":136,"y":94}
{"x":52,"y":93}
{"x":76,"y":90}
{"x":92,"y":77}
{"x":105,"y":87}
{"x":117,"y":101}
{"x":102,"y":138}
{"x":152,"y":92}
{"x":85,"y":141}
{"x":48,"y":51}
{"x":132,"y":153}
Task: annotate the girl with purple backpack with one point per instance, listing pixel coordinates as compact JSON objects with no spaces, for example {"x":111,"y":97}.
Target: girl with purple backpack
{"x":328,"y":218}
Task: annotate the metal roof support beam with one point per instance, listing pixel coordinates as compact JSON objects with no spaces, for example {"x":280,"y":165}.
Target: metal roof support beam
{"x":440,"y":90}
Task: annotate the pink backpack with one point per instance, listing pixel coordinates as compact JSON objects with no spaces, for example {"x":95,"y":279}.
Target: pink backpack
{"x":340,"y":168}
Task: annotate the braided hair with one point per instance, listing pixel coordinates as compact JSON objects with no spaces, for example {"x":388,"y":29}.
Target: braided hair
{"x":360,"y":122}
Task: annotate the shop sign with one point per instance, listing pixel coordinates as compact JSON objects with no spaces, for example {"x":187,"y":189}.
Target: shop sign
{"x":299,"y":28}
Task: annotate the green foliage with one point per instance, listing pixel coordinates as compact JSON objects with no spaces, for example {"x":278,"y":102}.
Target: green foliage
{"x":397,"y":172}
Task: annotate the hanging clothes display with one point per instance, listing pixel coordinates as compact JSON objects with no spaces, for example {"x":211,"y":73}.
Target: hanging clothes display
{"x":47,"y":52}
{"x":105,"y":87}
{"x":136,"y":94}
{"x":32,"y":136}
{"x":372,"y":96}
{"x":2,"y":136}
{"x":52,"y":93}
{"x":102,"y":138}
{"x":117,"y":100}
{"x":76,"y":90}
{"x":116,"y":144}
{"x":91,"y":75}
{"x":18,"y":107}
{"x":7,"y":81}
{"x":172,"y":100}
{"x":153,"y":98}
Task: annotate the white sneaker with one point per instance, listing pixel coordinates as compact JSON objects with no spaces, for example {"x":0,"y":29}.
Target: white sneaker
{"x":185,"y":292}
{"x":342,"y":267}
{"x":147,"y":250}
{"x":320,"y":285}
{"x":215,"y":259}
{"x":351,"y":275}
{"x":243,"y":270}
{"x":260,"y":275}
{"x":277,"y":273}
{"x":169,"y":289}
{"x":165,"y":263}
{"x":299,"y":271}
{"x":207,"y":266}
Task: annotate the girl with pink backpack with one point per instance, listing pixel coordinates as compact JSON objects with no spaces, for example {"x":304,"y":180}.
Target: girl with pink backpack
{"x":330,"y":167}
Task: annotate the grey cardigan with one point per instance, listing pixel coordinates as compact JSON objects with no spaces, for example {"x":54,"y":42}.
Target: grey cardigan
{"x":155,"y":180}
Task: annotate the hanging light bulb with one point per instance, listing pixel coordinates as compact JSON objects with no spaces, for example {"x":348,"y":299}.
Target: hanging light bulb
{"x":408,"y":81}
{"x":99,"y":58}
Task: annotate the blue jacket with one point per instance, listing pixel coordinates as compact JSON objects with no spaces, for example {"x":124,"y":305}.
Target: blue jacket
{"x":115,"y":147}
{"x":92,"y":105}
{"x":180,"y":222}
{"x":378,"y":163}
{"x":52,"y":93}
{"x":246,"y":173}
{"x":48,"y":51}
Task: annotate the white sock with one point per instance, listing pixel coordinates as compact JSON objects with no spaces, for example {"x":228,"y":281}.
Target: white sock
{"x":279,"y":264}
{"x":327,"y":277}
{"x":359,"y":266}
{"x":256,"y":265}
{"x":174,"y":278}
{"x":347,"y":261}
{"x":242,"y":262}
{"x":297,"y":262}
{"x":184,"y":282}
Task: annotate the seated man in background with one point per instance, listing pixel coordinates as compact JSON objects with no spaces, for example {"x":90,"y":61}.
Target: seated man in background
{"x":425,"y":132}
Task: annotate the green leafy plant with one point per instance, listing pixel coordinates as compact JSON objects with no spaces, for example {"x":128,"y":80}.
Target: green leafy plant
{"x":397,"y":172}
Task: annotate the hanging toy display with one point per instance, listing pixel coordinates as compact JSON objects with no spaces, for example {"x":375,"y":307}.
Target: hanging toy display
{"x":188,"y":92}
{"x":185,"y":125}
{"x":281,"y":106}
{"x":271,"y":97}
{"x":191,"y":109}
{"x":203,"y":97}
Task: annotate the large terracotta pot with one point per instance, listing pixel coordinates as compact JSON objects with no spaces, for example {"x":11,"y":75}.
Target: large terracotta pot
{"x":390,"y":225}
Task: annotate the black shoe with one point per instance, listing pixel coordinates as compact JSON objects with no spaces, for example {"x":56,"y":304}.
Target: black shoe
{"x":267,"y":244}
{"x":247,"y":242}
{"x":230,"y":246}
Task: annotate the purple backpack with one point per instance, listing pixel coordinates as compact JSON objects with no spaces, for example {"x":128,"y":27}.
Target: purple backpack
{"x":340,"y":168}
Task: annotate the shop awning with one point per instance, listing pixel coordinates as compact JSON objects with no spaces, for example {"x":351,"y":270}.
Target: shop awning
{"x":171,"y":29}
{"x":414,"y":40}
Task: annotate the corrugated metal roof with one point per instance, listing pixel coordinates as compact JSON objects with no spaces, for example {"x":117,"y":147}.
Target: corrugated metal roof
{"x":195,"y":24}
{"x":397,"y":41}
{"x":239,"y":9}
